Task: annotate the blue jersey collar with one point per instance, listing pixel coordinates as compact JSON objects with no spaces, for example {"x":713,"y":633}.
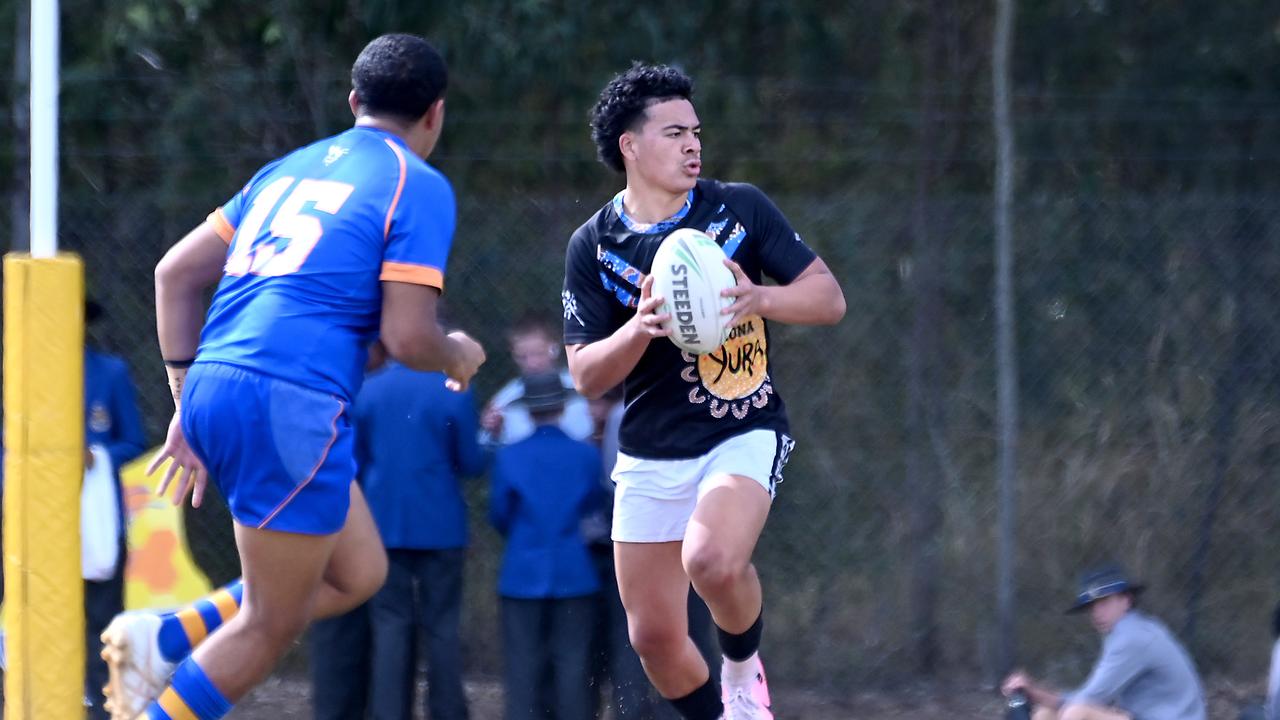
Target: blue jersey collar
{"x":650,"y":228}
{"x":386,"y":134}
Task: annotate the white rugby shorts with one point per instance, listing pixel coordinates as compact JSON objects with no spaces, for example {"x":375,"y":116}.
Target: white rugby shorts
{"x":654,"y":499}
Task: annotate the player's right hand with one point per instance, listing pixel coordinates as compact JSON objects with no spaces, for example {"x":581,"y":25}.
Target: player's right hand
{"x":468,"y":357}
{"x":652,"y":323}
{"x":186,"y":466}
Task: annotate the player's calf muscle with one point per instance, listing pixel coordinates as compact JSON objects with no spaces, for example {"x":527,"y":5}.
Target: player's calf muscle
{"x":277,"y":626}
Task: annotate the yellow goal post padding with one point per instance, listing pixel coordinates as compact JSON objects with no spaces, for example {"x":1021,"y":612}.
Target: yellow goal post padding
{"x":43,"y":471}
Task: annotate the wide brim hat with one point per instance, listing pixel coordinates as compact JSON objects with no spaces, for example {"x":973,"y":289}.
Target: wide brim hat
{"x":1103,"y":581}
{"x":543,"y":392}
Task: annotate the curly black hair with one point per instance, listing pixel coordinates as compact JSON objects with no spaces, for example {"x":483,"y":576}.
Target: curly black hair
{"x":623,"y":101}
{"x":398,"y":76}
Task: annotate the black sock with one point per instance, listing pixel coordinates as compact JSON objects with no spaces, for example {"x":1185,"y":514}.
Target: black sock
{"x":701,"y":704}
{"x":740,"y":647}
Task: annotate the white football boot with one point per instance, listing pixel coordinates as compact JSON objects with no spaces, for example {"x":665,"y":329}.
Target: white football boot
{"x":745,"y":695}
{"x":138,"y":673}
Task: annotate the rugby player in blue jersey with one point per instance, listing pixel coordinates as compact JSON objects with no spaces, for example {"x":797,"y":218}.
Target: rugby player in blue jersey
{"x":324,"y":249}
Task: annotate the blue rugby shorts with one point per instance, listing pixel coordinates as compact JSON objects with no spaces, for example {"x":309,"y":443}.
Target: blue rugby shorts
{"x":282,"y":455}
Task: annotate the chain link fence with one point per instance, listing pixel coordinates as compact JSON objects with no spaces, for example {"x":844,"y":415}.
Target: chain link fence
{"x":1148,"y":362}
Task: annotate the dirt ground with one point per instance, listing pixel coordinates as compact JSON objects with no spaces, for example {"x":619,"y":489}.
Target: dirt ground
{"x":287,"y":698}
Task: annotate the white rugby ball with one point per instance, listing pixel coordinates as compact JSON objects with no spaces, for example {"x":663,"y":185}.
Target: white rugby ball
{"x":688,"y":274}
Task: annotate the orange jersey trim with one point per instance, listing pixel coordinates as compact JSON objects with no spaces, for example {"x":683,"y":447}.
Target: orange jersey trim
{"x":395,"y":200}
{"x":218,"y":221}
{"x":411,"y":273}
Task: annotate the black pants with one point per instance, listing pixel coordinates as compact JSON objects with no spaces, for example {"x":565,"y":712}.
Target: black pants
{"x":102,"y":602}
{"x":547,"y":653}
{"x":423,"y":593}
{"x":339,"y":654}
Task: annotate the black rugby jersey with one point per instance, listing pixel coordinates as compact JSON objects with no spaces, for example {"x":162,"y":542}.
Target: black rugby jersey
{"x":680,"y":405}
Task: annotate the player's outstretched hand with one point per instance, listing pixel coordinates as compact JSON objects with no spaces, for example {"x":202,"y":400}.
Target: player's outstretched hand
{"x":185,"y":466}
{"x":652,"y":323}
{"x":746,"y":295}
{"x":469,"y":359}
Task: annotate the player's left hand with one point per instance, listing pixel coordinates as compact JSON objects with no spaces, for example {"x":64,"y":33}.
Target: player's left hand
{"x":185,"y":466}
{"x":748,"y":297}
{"x":468,"y":357}
{"x":649,"y":317}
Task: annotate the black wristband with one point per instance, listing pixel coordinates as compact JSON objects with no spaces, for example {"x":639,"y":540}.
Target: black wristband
{"x":179,"y":364}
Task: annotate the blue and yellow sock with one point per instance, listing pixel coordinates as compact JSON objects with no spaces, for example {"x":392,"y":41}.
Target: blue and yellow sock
{"x":190,"y":696}
{"x":182,"y":631}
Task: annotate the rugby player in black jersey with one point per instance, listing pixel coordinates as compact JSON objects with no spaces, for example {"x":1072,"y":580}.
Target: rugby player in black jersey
{"x":704,"y":438}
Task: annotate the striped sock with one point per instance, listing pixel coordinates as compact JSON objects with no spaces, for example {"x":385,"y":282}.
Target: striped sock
{"x":190,"y":696}
{"x":182,"y":631}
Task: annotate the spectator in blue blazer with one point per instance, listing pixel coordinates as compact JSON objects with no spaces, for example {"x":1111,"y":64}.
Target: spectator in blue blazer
{"x":340,"y":648}
{"x":113,"y":434}
{"x":543,"y":488}
{"x":415,"y":442}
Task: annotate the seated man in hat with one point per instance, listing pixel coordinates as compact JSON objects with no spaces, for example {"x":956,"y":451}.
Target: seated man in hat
{"x":1143,"y":673}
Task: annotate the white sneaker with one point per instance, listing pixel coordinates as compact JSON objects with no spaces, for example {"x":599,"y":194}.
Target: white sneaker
{"x":138,"y":672}
{"x":747,"y":698}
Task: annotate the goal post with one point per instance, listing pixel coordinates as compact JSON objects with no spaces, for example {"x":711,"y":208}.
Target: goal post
{"x":43,"y":471}
{"x":44,"y":428}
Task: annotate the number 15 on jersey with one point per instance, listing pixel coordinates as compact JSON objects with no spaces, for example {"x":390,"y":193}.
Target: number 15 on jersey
{"x":294,"y":230}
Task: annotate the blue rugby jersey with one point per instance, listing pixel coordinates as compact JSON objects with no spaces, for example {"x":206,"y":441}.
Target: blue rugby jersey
{"x":310,"y":237}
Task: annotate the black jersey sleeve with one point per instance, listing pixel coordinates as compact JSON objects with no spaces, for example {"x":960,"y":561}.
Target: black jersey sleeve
{"x":783,"y":255}
{"x":587,"y":305}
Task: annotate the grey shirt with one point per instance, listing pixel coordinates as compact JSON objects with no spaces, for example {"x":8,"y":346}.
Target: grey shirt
{"x":1145,"y":672}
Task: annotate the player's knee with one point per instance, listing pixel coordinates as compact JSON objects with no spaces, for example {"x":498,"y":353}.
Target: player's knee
{"x":654,"y":641}
{"x":713,"y":570}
